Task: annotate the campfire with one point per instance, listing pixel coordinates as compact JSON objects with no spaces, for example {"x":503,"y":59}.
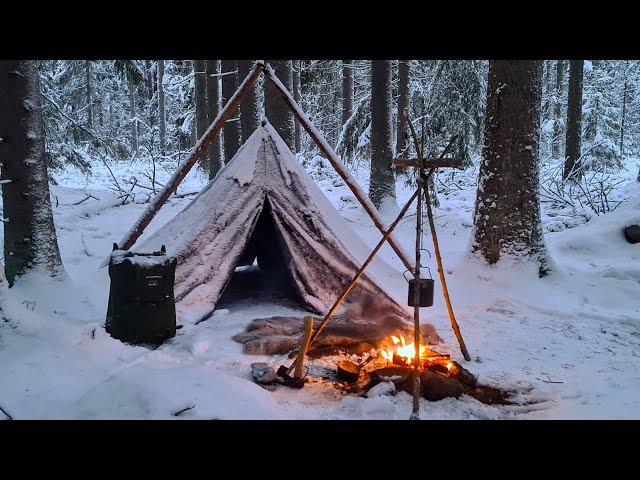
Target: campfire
{"x":404,"y":354}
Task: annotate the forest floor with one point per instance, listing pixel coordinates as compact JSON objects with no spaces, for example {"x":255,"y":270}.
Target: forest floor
{"x":568,"y":343}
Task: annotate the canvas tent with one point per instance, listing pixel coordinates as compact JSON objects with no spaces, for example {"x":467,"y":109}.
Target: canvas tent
{"x":264,"y":205}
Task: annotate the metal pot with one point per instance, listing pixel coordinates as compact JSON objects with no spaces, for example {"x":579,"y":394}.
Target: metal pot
{"x":426,"y":286}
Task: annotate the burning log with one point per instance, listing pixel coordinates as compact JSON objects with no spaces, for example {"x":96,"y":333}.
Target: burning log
{"x":433,"y":386}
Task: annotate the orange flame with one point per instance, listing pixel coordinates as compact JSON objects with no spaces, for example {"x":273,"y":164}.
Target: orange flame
{"x":406,"y":353}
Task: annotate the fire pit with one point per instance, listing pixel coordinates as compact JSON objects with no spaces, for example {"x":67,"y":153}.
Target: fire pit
{"x":440,"y":377}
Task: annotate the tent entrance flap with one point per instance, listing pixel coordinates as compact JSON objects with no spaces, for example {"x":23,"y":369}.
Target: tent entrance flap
{"x":262,"y":272}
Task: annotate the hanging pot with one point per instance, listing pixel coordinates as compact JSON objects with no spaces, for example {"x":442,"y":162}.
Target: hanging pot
{"x":425,"y":287}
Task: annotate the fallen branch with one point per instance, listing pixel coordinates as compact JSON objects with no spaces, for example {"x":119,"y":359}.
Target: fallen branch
{"x":126,"y":196}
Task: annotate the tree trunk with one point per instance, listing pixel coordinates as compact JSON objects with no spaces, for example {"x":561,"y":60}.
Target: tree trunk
{"x":232,"y":129}
{"x":403,"y":101}
{"x":134,"y":114}
{"x":297,"y":96}
{"x":624,"y":107}
{"x":250,"y":108}
{"x":150,"y":82}
{"x":507,"y":210}
{"x":347,"y":90}
{"x":162,"y":120}
{"x":557,"y":123}
{"x":574,"y":121}
{"x":382,"y":182}
{"x":213,"y":104}
{"x":275,"y":109}
{"x":200,"y":83}
{"x":548,"y":86}
{"x":87,"y":69}
{"x":30,"y":240}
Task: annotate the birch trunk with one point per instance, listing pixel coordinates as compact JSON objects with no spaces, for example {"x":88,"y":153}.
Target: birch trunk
{"x":213,"y":105}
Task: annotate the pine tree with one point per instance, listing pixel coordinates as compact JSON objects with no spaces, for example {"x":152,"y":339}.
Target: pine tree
{"x":87,"y":64}
{"x":232,"y":130}
{"x":557,"y":109}
{"x":30,"y":240}
{"x":161,"y":109}
{"x":250,"y":108}
{"x":574,"y":121}
{"x":347,"y":90}
{"x":507,"y":211}
{"x":403,"y":102}
{"x":601,"y":114}
{"x":297,"y":96}
{"x":382,"y":181}
{"x":276,"y":111}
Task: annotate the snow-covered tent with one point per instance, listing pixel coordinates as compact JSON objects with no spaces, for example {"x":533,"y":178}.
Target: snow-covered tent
{"x":264,"y":205}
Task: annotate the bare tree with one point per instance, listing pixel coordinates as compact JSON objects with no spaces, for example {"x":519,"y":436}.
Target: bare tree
{"x":574,"y":120}
{"x":30,"y":240}
{"x":382,"y":182}
{"x":213,"y":107}
{"x":250,"y":107}
{"x":232,"y":130}
{"x":276,"y":111}
{"x":507,"y":210}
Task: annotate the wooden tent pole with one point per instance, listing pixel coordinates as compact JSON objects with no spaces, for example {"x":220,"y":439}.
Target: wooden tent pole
{"x":337,"y":165}
{"x":415,"y":412}
{"x":434,"y":236}
{"x":196,"y":152}
{"x":445,"y":291}
{"x":356,"y":277}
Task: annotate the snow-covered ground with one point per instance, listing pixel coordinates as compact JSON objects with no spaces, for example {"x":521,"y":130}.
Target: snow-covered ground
{"x":570,"y":343}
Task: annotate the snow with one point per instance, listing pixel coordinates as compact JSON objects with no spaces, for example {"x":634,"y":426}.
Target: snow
{"x":569,"y":343}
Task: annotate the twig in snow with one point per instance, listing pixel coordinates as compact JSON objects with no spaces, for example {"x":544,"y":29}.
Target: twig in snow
{"x":6,"y":413}
{"x":84,"y":199}
{"x":548,"y":380}
{"x":180,"y":412}
{"x":29,"y":303}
